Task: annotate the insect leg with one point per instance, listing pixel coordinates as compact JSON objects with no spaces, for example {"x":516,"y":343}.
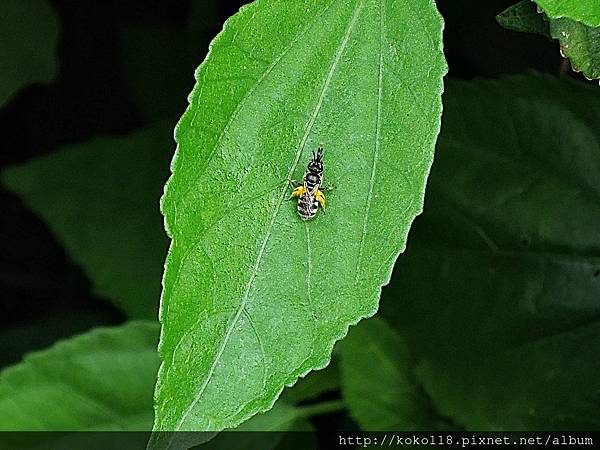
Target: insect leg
{"x":320,"y":197}
{"x":297,"y":192}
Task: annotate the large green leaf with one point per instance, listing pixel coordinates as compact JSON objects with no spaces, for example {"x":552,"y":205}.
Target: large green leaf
{"x":585,"y":11}
{"x":253,"y":297}
{"x":27,"y":45}
{"x":499,"y":290}
{"x":101,"y":200}
{"x":101,"y":380}
{"x":378,"y":382}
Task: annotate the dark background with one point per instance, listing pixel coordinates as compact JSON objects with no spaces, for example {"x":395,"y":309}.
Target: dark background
{"x":44,"y":296}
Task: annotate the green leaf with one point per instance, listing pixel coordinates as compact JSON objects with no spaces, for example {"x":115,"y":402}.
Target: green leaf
{"x":498,"y":290}
{"x":524,"y":17}
{"x":101,"y":380}
{"x":253,"y":297}
{"x":28,"y":45}
{"x":579,"y":43}
{"x":378,"y":382}
{"x":101,"y":200}
{"x":585,"y":11}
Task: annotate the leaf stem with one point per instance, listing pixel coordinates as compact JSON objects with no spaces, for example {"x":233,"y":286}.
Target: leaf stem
{"x":322,"y":408}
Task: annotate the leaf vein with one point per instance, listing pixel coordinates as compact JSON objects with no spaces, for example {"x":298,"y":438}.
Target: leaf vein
{"x":308,"y":129}
{"x":260,"y":345}
{"x":377,"y":141}
{"x":248,"y":94}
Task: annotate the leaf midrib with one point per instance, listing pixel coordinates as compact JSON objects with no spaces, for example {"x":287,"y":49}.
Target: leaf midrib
{"x":246,"y":96}
{"x":276,"y":61}
{"x":301,"y":146}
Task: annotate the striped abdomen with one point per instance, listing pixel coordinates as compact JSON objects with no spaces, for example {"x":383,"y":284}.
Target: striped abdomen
{"x":307,"y":206}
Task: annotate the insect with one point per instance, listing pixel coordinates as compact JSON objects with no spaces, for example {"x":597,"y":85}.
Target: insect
{"x":309,"y":193}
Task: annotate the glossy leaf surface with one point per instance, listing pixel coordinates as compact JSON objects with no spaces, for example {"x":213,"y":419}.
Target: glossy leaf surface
{"x":253,"y":296}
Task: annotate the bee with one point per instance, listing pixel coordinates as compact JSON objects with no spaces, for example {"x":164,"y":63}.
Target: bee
{"x":309,"y":193}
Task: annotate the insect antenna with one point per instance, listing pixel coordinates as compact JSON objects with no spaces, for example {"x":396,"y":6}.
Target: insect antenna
{"x":319,"y":156}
